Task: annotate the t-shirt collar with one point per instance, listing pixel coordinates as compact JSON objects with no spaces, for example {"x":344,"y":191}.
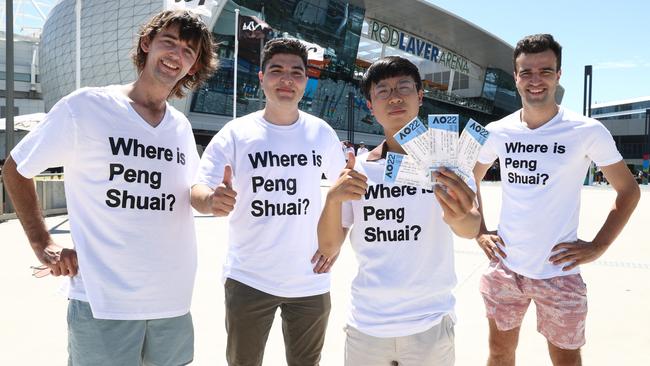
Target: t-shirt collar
{"x":378,"y":152}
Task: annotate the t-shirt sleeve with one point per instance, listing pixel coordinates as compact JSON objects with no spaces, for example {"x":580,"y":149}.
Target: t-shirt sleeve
{"x":347,"y":214}
{"x":50,"y":144}
{"x":488,"y":152}
{"x":220,"y":151}
{"x":193,"y":158}
{"x":602,"y":148}
{"x":333,"y":161}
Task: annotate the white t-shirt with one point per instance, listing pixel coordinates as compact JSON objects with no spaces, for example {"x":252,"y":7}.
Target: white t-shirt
{"x":276,"y":174}
{"x":405,"y":255}
{"x":127,"y":189}
{"x":361,"y":151}
{"x":542,"y":172}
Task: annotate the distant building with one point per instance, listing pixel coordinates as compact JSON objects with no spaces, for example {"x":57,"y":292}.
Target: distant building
{"x":626,"y":120}
{"x":465,"y":69}
{"x":27,"y":86}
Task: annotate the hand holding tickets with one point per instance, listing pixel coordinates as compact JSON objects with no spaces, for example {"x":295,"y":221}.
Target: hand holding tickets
{"x":456,"y":198}
{"x":416,"y":141}
{"x":434,"y":147}
{"x":351,"y":184}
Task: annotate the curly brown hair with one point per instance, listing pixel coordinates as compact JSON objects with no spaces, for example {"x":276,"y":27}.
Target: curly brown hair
{"x":193,"y":30}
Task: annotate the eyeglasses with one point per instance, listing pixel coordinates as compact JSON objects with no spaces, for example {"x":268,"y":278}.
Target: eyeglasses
{"x":403,"y":89}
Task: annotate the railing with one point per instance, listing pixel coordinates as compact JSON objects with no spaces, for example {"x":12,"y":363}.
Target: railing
{"x":51,"y":197}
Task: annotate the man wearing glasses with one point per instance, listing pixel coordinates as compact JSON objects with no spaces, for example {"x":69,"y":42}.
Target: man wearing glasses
{"x":402,"y":309}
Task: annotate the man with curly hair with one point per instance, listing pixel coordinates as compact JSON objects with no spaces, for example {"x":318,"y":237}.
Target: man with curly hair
{"x":129,"y":160}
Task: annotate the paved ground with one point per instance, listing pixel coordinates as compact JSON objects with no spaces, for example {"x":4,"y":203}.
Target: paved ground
{"x":33,"y":330}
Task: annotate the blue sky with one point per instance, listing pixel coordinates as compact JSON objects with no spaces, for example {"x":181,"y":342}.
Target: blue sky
{"x":613,"y":36}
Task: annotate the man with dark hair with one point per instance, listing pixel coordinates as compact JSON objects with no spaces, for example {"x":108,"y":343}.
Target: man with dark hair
{"x":284,"y":46}
{"x":402,"y":309}
{"x":265,"y":168}
{"x":544,"y":151}
{"x":129,"y":160}
{"x":538,"y":43}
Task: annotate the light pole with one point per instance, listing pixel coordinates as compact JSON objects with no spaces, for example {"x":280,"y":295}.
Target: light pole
{"x":351,"y":117}
{"x":586,"y":100}
{"x":586,"y":111}
{"x":9,"y":78}
{"x":646,"y":148}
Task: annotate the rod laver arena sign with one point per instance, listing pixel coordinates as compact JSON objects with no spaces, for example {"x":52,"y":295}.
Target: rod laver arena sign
{"x":393,"y":37}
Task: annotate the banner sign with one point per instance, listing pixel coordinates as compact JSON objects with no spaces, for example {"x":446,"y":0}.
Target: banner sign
{"x":393,"y":37}
{"x":251,"y":27}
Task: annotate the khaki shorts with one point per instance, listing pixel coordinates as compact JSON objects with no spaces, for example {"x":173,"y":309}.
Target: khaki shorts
{"x":561,"y":303}
{"x":431,"y":347}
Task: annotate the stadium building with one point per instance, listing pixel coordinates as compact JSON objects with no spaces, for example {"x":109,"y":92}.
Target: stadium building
{"x":465,"y":69}
{"x":629,"y":122}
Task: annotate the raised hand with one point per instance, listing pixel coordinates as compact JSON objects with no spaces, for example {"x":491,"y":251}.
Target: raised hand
{"x":456,"y":198}
{"x":351,"y":184}
{"x":222,"y":200}
{"x":457,"y":202}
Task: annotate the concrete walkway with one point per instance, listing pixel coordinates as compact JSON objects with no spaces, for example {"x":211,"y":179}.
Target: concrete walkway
{"x":33,"y":328}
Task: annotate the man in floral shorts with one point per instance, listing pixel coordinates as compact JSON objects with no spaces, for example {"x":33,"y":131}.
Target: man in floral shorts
{"x":544,"y":152}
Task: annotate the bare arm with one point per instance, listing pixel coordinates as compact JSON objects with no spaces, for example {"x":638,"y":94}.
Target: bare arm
{"x":351,"y":185}
{"x":22,"y":193}
{"x":487,"y":240}
{"x":479,"y":173}
{"x":331,"y":233}
{"x":627,"y":197}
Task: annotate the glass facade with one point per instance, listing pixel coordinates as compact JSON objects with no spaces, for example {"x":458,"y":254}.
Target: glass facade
{"x":500,"y":89}
{"x":18,"y":76}
{"x":333,"y":25}
{"x":452,"y":83}
{"x":627,"y":107}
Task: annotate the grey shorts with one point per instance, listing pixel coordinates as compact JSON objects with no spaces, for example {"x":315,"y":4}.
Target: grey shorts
{"x":157,"y":342}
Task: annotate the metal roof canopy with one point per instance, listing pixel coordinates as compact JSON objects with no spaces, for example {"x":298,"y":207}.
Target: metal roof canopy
{"x":443,"y":28}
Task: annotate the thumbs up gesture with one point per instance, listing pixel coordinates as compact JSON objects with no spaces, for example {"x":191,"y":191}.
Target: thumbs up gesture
{"x":351,"y":184}
{"x":222,"y":199}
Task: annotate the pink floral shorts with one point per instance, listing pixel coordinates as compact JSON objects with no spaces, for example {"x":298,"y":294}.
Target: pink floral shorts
{"x":561,"y":303}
